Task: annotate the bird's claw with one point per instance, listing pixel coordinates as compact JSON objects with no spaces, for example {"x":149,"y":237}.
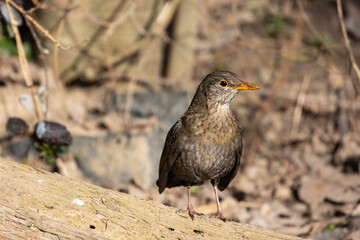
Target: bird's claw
{"x":220,"y":216}
{"x":191,"y":213}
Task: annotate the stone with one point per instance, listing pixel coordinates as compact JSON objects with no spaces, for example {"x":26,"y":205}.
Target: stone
{"x":19,"y":149}
{"x":111,"y":160}
{"x":167,"y":106}
{"x":115,"y":160}
{"x":118,"y":159}
{"x":16,"y":127}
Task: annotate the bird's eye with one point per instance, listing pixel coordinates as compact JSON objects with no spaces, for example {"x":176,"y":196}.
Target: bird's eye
{"x":223,"y":83}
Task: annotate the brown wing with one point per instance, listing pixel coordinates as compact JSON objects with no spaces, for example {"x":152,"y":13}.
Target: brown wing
{"x":225,"y":181}
{"x":168,"y":156}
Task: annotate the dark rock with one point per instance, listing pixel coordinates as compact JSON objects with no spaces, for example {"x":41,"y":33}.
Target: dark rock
{"x":19,"y":149}
{"x":53,"y":133}
{"x":16,"y":14}
{"x":16,"y":127}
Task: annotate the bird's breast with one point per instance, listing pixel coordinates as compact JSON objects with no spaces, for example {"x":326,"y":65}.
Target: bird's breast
{"x":218,"y":127}
{"x":207,"y":148}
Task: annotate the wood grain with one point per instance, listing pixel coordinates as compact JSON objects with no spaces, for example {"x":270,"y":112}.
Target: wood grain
{"x":35,"y":204}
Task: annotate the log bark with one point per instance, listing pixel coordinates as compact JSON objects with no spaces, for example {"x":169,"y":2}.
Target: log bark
{"x":35,"y":204}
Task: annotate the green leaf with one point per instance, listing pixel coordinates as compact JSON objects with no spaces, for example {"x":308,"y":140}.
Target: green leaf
{"x":195,"y":190}
{"x":50,"y":152}
{"x":8,"y":47}
{"x":275,"y":24}
{"x":327,"y":40}
{"x":329,"y":227}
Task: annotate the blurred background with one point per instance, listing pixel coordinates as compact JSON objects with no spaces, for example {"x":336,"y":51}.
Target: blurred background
{"x":111,"y":77}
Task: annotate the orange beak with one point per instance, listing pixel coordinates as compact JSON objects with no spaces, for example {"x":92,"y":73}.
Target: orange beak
{"x":246,"y":86}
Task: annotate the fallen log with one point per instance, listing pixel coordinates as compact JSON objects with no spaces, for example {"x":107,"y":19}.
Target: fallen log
{"x":35,"y":204}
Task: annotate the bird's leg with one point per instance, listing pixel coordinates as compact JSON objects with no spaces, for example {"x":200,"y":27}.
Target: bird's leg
{"x":219,"y":214}
{"x":190,"y":209}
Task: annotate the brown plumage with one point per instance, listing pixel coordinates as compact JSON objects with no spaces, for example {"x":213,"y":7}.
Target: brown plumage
{"x":205,"y":143}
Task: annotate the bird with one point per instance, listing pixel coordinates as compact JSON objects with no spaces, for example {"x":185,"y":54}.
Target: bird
{"x":206,"y":142}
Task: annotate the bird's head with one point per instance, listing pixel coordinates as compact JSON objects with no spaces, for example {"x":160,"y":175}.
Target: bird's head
{"x":222,"y":86}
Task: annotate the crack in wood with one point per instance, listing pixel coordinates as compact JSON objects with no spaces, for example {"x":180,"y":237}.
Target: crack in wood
{"x":45,"y":231}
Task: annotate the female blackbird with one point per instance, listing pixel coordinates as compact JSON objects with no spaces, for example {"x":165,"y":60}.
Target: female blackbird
{"x":205,"y":143}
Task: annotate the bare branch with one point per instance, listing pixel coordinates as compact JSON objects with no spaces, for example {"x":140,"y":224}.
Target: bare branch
{"x":348,"y":47}
{"x":43,"y":30}
{"x":23,"y":62}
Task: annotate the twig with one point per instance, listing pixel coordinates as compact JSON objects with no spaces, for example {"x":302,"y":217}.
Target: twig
{"x":23,"y":62}
{"x":42,"y":58}
{"x":286,"y":67}
{"x":56,"y":50}
{"x":6,"y":111}
{"x":234,"y":13}
{"x":313,"y":29}
{"x":299,"y":105}
{"x":148,"y":82}
{"x":342,"y":118}
{"x":348,"y":47}
{"x":35,"y":2}
{"x":312,"y":103}
{"x":37,"y":6}
{"x":267,"y":105}
{"x":157,"y":29}
{"x":124,"y":15}
{"x":41,"y":29}
{"x":127,"y":10}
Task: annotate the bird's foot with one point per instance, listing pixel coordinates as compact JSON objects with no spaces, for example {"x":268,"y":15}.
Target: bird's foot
{"x":191,"y":211}
{"x":220,"y":216}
